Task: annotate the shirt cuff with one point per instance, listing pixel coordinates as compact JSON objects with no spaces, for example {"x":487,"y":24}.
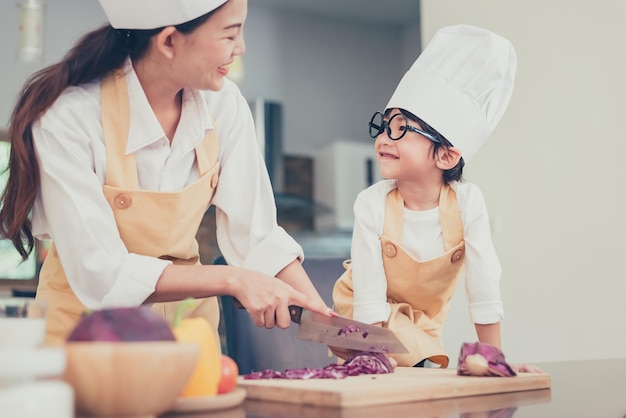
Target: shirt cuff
{"x":135,"y":282}
{"x":486,"y":312}
{"x":371,"y":312}
{"x":277,"y":250}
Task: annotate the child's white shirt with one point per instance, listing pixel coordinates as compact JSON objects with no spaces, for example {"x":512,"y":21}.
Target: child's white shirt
{"x":422,"y":239}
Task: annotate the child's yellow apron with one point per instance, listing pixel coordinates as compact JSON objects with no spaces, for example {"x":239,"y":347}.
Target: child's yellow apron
{"x":419,"y":291}
{"x":152,"y":223}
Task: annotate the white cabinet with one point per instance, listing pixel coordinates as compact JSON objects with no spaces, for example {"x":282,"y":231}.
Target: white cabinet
{"x":342,"y":169}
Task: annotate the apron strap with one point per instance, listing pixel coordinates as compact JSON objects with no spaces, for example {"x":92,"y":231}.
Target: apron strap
{"x":394,"y":216}
{"x":207,"y":150}
{"x":121,"y":172}
{"x":122,"y":168}
{"x":450,"y":218}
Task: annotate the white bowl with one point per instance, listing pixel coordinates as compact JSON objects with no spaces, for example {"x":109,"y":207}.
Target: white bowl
{"x":22,"y":322}
{"x":46,"y":398}
{"x":23,"y":364}
{"x":22,"y":332}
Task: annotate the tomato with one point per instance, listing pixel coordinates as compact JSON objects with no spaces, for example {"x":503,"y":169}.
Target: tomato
{"x":230,"y":372}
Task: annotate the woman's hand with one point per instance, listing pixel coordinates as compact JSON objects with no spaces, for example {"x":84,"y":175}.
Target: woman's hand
{"x":267,"y":299}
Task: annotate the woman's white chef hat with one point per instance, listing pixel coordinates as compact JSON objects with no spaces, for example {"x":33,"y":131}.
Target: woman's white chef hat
{"x":460,"y":85}
{"x":152,"y":14}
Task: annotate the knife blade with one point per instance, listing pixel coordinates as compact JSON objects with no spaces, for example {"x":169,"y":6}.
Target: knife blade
{"x":342,"y":332}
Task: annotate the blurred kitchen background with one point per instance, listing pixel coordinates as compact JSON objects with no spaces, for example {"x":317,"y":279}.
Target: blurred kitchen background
{"x":552,"y":173}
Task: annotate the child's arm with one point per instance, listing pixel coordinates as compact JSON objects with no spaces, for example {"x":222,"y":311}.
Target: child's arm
{"x":489,"y":333}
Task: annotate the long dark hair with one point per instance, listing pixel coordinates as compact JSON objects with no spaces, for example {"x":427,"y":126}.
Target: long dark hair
{"x":94,"y":56}
{"x":453,"y":174}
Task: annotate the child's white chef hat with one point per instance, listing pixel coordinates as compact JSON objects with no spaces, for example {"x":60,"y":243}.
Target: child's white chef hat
{"x":152,"y":14}
{"x":460,"y":85}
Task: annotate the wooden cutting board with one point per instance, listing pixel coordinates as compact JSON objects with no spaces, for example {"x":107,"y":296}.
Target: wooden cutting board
{"x":406,"y":384}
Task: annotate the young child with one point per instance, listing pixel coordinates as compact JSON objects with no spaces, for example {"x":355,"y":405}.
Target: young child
{"x":416,"y":231}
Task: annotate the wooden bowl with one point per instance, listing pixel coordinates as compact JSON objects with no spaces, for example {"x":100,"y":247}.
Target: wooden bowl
{"x":128,"y":378}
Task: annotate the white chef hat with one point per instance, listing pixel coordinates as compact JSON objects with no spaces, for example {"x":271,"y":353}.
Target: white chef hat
{"x":152,"y":14}
{"x":460,"y":85}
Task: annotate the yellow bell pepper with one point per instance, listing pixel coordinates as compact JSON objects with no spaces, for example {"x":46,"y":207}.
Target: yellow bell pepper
{"x":208,"y":370}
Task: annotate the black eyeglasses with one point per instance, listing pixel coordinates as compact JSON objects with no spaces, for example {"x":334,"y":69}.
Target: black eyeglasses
{"x":396,"y":127}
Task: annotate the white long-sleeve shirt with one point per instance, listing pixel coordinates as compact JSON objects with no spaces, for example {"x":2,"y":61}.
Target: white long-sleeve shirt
{"x":422,"y":239}
{"x":71,"y":208}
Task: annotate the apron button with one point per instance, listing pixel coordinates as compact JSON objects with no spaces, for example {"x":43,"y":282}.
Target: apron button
{"x":457,"y":255}
{"x":214,"y":181}
{"x":122,"y":201}
{"x":390,"y":250}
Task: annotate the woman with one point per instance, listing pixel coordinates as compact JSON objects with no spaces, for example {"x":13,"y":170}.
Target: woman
{"x":120,"y":148}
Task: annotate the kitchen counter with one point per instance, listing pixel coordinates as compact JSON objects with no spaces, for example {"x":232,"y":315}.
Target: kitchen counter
{"x":578,"y":389}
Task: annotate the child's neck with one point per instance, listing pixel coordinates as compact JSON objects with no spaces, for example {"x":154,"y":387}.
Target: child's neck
{"x":419,"y":196}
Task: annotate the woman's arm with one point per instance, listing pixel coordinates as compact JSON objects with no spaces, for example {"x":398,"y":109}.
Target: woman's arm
{"x":248,"y":234}
{"x":266,"y":299}
{"x":295,"y":276}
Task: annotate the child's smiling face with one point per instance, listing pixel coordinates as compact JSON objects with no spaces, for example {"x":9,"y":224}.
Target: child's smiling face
{"x":410,"y":157}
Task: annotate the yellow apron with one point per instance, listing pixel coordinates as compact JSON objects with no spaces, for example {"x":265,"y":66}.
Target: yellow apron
{"x":419,"y":292}
{"x":152,"y":223}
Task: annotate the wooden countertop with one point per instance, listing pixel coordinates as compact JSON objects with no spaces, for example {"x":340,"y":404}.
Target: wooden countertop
{"x":583,"y":389}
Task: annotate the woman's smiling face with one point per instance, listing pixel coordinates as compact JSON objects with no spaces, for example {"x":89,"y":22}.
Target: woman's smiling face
{"x":202,"y":58}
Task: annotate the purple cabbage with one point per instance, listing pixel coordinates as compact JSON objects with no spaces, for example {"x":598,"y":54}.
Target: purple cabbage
{"x":364,"y":362}
{"x":122,"y":324}
{"x":480,"y":359}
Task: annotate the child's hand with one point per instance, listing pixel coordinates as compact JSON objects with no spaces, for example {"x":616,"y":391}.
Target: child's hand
{"x":526,"y":368}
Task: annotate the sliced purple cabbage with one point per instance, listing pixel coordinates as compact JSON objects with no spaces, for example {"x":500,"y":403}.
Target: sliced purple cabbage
{"x":364,"y":362}
{"x":480,"y":359}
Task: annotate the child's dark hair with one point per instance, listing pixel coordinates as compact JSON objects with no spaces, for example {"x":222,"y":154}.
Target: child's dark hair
{"x":453,"y":174}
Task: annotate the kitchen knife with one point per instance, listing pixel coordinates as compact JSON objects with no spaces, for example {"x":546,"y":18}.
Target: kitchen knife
{"x":342,"y":332}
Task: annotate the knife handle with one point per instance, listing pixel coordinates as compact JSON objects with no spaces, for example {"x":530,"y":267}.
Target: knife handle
{"x":294,"y":311}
